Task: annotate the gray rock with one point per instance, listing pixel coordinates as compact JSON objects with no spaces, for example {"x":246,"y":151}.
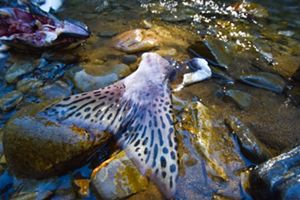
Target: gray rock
{"x":119,"y":179}
{"x":29,"y":84}
{"x":17,"y":70}
{"x":278,"y":178}
{"x":242,"y":99}
{"x":265,"y":80}
{"x":59,"y":89}
{"x":129,"y":59}
{"x":10,"y":100}
{"x":86,"y":82}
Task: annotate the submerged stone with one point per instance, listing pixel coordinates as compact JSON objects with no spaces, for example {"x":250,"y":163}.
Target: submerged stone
{"x":59,"y":89}
{"x":129,"y":59}
{"x":45,"y":148}
{"x":10,"y":100}
{"x":118,"y":179}
{"x":251,"y":147}
{"x":242,"y":99}
{"x":29,"y":84}
{"x":265,"y":80}
{"x":18,"y":69}
{"x":136,"y":41}
{"x":86,"y":82}
{"x":213,"y":50}
{"x":278,"y":178}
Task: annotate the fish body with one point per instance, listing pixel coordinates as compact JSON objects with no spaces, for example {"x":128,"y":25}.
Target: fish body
{"x":33,"y":27}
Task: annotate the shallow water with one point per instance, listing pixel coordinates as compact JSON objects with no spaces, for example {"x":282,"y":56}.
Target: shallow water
{"x":263,"y":37}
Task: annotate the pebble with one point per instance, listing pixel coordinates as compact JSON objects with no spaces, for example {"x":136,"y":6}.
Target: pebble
{"x":10,"y":100}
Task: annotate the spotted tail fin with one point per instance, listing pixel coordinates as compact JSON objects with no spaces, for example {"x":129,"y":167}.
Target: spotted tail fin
{"x":149,"y":140}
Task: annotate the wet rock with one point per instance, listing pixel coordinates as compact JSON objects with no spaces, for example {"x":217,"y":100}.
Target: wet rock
{"x":214,"y":51}
{"x":242,"y":99}
{"x":265,"y":80}
{"x":45,"y":148}
{"x":10,"y":100}
{"x":129,"y":59}
{"x":118,"y":179}
{"x":59,"y":89}
{"x":122,"y":70}
{"x":86,"y":82}
{"x":181,"y":15}
{"x":50,"y":71}
{"x":199,"y":121}
{"x":252,"y":9}
{"x":29,"y":84}
{"x":137,"y":40}
{"x":212,"y":154}
{"x":107,"y":34}
{"x":61,"y":56}
{"x":278,"y":178}
{"x":18,"y":69}
{"x":221,"y":76}
{"x":250,"y":146}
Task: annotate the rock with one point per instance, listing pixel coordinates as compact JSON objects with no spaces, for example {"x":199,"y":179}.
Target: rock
{"x":122,"y":70}
{"x":86,"y":82}
{"x":59,"y":89}
{"x":250,"y":146}
{"x":61,"y":56}
{"x":242,"y":99}
{"x":107,"y":34}
{"x":29,"y":84}
{"x":50,"y":71}
{"x":252,"y":9}
{"x":18,"y":69}
{"x":265,"y":80}
{"x":278,"y":178}
{"x":10,"y":100}
{"x":207,"y":148}
{"x":182,"y":15}
{"x":136,"y":40}
{"x":45,"y":148}
{"x":118,"y":179}
{"x":221,"y":76}
{"x":214,"y":51}
{"x":129,"y":59}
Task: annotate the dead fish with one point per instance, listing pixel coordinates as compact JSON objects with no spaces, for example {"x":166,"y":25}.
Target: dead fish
{"x":137,"y":111}
{"x":35,"y":28}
